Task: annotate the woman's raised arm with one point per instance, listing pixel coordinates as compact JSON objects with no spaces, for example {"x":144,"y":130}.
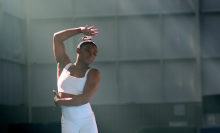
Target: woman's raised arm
{"x":61,"y":36}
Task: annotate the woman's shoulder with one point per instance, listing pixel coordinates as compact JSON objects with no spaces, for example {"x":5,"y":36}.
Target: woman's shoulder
{"x":94,"y":73}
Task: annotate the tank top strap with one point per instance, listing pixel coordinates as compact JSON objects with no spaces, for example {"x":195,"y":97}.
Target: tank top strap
{"x":87,"y":72}
{"x":67,"y":66}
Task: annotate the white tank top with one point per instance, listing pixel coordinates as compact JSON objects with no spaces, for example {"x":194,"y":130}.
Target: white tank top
{"x":73,"y":85}
{"x":70,"y":84}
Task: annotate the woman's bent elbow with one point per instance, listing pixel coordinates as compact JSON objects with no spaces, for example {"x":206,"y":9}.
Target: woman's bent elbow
{"x":56,"y":37}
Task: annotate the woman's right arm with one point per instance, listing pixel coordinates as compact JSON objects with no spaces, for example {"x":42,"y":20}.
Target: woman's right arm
{"x":59,"y":48}
{"x":58,"y":45}
{"x":61,"y":36}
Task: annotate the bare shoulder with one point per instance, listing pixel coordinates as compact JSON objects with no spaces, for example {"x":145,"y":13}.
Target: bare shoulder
{"x":94,"y":74}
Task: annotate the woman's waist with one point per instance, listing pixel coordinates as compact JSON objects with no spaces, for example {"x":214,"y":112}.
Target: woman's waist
{"x":77,"y":112}
{"x":84,"y":106}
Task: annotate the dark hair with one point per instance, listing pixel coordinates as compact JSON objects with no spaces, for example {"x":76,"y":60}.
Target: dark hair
{"x":86,"y":40}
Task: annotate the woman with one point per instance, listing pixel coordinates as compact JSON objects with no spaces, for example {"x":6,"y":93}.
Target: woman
{"x":76,"y":82}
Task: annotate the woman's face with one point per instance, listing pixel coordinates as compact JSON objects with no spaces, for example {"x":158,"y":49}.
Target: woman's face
{"x":87,"y":53}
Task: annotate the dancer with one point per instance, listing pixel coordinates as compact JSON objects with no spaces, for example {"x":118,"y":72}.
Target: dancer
{"x":76,"y":82}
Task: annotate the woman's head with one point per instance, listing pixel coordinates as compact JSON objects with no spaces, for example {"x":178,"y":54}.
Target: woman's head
{"x":87,"y":50}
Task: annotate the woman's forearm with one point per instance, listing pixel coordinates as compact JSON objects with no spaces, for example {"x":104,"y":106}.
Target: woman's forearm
{"x":65,"y":34}
{"x":73,"y":101}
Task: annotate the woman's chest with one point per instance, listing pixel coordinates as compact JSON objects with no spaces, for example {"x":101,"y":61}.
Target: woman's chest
{"x":76,"y":73}
{"x":69,"y":83}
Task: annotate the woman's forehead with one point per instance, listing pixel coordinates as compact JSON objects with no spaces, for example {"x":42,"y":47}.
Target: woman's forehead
{"x":91,"y":46}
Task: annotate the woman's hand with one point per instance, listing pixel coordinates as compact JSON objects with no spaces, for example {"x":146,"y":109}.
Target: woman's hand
{"x":89,"y":31}
{"x":56,"y":98}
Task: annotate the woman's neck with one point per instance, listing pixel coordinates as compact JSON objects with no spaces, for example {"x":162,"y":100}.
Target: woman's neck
{"x":80,"y":65}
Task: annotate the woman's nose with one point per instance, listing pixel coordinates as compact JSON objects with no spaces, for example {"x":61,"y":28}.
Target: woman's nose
{"x":90,"y":53}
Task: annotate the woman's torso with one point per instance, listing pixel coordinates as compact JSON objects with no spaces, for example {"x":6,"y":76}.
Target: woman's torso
{"x":69,"y":86}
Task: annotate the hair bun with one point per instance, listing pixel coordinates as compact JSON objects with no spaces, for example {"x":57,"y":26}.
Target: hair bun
{"x":86,"y":38}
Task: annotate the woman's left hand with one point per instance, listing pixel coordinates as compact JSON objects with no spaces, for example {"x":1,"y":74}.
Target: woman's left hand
{"x":56,"y":98}
{"x":89,"y":31}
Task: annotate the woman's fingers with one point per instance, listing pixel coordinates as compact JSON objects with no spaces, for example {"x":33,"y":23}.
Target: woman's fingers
{"x":56,"y":96}
{"x":55,"y":92}
{"x":89,"y":31}
{"x":91,"y":27}
{"x":55,"y":101}
{"x":94,"y":30}
{"x":94,"y":33}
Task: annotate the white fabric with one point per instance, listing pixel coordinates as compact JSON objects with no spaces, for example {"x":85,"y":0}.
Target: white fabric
{"x":70,"y":84}
{"x":86,"y":125}
{"x":77,"y":112}
{"x":75,"y":119}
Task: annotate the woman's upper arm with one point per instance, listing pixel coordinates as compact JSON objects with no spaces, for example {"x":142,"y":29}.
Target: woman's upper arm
{"x":58,"y":49}
{"x":60,"y":55}
{"x":92,"y":84}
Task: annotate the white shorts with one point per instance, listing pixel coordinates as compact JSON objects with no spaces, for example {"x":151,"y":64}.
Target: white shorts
{"x":79,"y":119}
{"x":86,"y":125}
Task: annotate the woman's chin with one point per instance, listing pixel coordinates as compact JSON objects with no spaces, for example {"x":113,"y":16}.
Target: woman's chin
{"x":89,"y":61}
